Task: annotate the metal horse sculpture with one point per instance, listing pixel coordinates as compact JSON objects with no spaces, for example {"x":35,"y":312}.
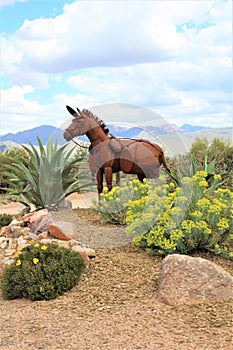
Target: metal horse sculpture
{"x":110,"y":155}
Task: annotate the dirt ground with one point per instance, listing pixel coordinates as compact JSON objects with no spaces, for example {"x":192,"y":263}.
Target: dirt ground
{"x":115,"y":305}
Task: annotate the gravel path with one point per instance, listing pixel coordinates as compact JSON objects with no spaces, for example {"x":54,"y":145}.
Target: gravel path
{"x":115,"y":305}
{"x":90,"y":231}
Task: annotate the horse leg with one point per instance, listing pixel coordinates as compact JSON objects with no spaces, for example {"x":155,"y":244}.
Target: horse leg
{"x":108,"y":177}
{"x":99,"y":178}
{"x":141,"y":177}
{"x":118,"y":179}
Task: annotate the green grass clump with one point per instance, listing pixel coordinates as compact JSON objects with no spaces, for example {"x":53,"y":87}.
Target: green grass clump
{"x":42,"y":272}
{"x":5,"y":219}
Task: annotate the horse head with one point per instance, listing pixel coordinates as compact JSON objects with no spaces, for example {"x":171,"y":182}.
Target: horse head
{"x":82,"y":122}
{"x":79,"y":125}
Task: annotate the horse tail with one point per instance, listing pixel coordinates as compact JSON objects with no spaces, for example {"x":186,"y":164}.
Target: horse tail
{"x":163,"y":161}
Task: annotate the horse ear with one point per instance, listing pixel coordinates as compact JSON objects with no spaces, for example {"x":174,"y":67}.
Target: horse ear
{"x":71,"y":110}
{"x":80,"y":113}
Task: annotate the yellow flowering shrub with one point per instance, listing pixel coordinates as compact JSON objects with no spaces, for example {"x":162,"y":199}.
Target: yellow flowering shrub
{"x":113,"y":205}
{"x":42,"y":272}
{"x":187,"y":218}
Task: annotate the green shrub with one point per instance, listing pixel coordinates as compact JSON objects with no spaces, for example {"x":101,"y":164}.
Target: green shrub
{"x":113,"y":204}
{"x":191,"y":217}
{"x":6,"y":158}
{"x":42,"y":272}
{"x":5,"y":219}
{"x":218,"y":151}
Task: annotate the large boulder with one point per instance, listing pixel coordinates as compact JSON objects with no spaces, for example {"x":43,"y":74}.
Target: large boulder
{"x":188,"y":280}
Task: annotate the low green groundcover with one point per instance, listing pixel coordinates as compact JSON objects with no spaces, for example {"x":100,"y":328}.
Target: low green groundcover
{"x":42,"y":272}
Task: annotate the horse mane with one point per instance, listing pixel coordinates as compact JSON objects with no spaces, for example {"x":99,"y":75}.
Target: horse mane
{"x":100,"y":122}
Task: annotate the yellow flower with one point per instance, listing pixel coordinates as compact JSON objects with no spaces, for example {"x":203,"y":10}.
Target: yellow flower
{"x":196,"y":214}
{"x":217,"y":177}
{"x":200,"y":175}
{"x":44,"y":247}
{"x":223,"y":223}
{"x":203,"y":203}
{"x":231,"y":254}
{"x":35,"y":261}
{"x":18,"y":263}
{"x":187,"y":225}
{"x":203,"y":183}
{"x":37,"y":245}
{"x":15,"y":255}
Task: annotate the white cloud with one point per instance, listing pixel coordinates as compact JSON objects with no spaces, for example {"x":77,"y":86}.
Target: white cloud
{"x":10,"y":2}
{"x":90,"y":34}
{"x":20,"y":113}
{"x":171,"y":56}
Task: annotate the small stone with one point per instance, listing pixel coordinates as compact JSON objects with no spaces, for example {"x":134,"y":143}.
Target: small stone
{"x":86,"y":259}
{"x":73,"y":242}
{"x":42,"y":235}
{"x":12,"y":243}
{"x":16,"y":222}
{"x":21,"y":242}
{"x":89,"y":251}
{"x":62,"y":230}
{"x":9,"y":252}
{"x":6,"y":231}
{"x":31,"y":218}
{"x":16,"y":231}
{"x":60,"y":243}
{"x":3,"y":242}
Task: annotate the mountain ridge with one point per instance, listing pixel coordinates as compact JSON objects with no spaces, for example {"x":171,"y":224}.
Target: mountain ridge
{"x":45,"y":131}
{"x":173,"y":139}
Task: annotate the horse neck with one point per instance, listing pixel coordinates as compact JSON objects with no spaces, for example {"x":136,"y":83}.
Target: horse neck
{"x":96,"y":135}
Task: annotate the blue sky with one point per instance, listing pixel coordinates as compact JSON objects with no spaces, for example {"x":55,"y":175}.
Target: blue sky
{"x":172,"y":57}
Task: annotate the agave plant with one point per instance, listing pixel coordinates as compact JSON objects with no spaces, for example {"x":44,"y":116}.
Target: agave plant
{"x":45,"y":178}
{"x":188,"y":167}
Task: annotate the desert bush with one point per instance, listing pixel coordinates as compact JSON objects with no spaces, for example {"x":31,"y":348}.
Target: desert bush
{"x":5,"y":219}
{"x":219,"y":152}
{"x":45,"y":178}
{"x":181,"y":220}
{"x":42,"y":272}
{"x":6,"y":158}
{"x":113,"y":204}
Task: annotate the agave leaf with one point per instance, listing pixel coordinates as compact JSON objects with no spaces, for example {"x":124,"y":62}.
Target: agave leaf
{"x":205,"y":163}
{"x":210,"y":168}
{"x":35,"y":158}
{"x":193,"y":163}
{"x":174,"y":176}
{"x":41,"y":147}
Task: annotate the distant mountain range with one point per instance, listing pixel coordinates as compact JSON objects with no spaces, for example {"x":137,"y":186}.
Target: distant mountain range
{"x":26,"y":136}
{"x":44,"y":131}
{"x":165,"y":132}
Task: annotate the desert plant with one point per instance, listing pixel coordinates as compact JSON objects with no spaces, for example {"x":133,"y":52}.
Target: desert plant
{"x":45,"y":178}
{"x":113,"y":204}
{"x":42,"y":272}
{"x":185,"y":219}
{"x":219,"y":152}
{"x":187,"y":166}
{"x":5,"y":219}
{"x":6,"y":158}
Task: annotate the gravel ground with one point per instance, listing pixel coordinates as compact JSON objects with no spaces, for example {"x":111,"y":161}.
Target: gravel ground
{"x":115,"y":304}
